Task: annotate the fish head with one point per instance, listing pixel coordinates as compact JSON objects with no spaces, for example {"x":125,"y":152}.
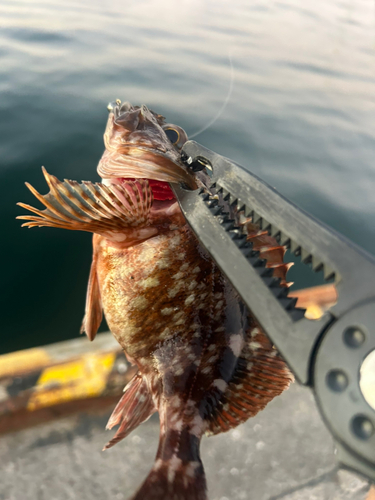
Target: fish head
{"x":139,"y":144}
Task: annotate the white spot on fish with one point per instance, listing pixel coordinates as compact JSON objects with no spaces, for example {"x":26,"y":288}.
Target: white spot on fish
{"x":211,"y":347}
{"x":191,"y":468}
{"x":179,"y":370}
{"x":254,"y":345}
{"x":180,"y":256}
{"x":165,"y":332}
{"x":174,"y":464}
{"x":175,"y":241}
{"x":178,"y":276}
{"x":220,"y":384}
{"x":196,"y":269}
{"x":192,"y":285}
{"x":163,"y":263}
{"x":166,"y":311}
{"x":212,"y":359}
{"x":177,"y":425}
{"x":139,"y":303}
{"x":219,"y":305}
{"x":178,"y":315}
{"x":158,"y":464}
{"x":219,"y":329}
{"x":175,"y":402}
{"x":190,"y":299}
{"x":198,"y":426}
{"x":149,"y":283}
{"x":206,"y":370}
{"x":236,"y":343}
{"x":174,"y":291}
{"x":254,"y":332}
{"x":184,"y":267}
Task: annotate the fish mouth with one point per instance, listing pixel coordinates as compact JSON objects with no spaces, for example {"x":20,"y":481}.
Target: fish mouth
{"x":138,"y":147}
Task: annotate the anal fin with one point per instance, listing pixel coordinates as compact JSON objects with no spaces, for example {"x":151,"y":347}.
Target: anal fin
{"x":134,"y":407}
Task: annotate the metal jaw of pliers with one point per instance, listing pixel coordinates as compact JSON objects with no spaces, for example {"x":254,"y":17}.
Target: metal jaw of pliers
{"x":325,"y":354}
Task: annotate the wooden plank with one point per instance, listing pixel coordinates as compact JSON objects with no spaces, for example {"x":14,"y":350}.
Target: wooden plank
{"x":371,"y":494}
{"x":316,"y":300}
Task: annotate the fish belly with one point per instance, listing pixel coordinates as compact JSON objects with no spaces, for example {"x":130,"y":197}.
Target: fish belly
{"x":161,"y":288}
{"x":207,"y":363}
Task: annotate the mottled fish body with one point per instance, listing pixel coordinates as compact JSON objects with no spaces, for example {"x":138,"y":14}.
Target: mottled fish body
{"x":203,"y":362}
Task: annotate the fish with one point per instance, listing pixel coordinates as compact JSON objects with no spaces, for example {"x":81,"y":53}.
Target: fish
{"x":204,"y":362}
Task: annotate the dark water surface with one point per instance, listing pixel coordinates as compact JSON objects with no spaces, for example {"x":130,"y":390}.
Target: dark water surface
{"x":301,"y":116}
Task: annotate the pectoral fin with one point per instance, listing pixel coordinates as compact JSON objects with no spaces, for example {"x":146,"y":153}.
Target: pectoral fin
{"x":92,"y":207}
{"x":93,"y":309}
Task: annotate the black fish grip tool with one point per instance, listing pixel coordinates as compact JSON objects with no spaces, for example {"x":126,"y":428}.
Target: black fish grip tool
{"x":325,"y":354}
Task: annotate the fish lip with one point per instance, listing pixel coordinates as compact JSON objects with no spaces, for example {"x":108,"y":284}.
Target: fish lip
{"x":142,"y":162}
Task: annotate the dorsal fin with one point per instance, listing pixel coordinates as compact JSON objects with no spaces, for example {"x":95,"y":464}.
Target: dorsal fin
{"x":134,"y":407}
{"x":92,"y":207}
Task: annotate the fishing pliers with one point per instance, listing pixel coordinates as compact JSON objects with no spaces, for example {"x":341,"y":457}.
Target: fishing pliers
{"x":325,"y":354}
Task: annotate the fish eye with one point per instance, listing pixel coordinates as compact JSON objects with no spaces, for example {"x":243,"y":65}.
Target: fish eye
{"x":176,"y":135}
{"x":172,"y":135}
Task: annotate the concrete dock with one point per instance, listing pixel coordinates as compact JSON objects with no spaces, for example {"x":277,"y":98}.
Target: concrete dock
{"x":64,"y":394}
{"x":285,"y":452}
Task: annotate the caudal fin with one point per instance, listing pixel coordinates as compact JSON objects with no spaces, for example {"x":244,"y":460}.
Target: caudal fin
{"x":174,"y":479}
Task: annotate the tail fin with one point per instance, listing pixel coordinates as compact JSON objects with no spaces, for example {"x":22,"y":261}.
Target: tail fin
{"x":174,"y":479}
{"x":178,"y":472}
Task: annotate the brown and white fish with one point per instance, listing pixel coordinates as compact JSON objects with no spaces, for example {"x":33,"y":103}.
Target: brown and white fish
{"x":203,"y":361}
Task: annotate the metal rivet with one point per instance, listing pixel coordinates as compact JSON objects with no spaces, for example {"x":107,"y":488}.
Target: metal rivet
{"x":337,"y":380}
{"x":354,"y":337}
{"x":362,"y":427}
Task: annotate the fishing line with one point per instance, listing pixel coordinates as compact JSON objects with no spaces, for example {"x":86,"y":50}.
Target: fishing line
{"x":217,"y":116}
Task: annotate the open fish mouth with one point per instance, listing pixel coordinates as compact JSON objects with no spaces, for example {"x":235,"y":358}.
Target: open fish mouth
{"x":139,"y":144}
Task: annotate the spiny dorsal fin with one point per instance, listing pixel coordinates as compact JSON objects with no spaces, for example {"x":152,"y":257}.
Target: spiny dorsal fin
{"x":92,"y":207}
